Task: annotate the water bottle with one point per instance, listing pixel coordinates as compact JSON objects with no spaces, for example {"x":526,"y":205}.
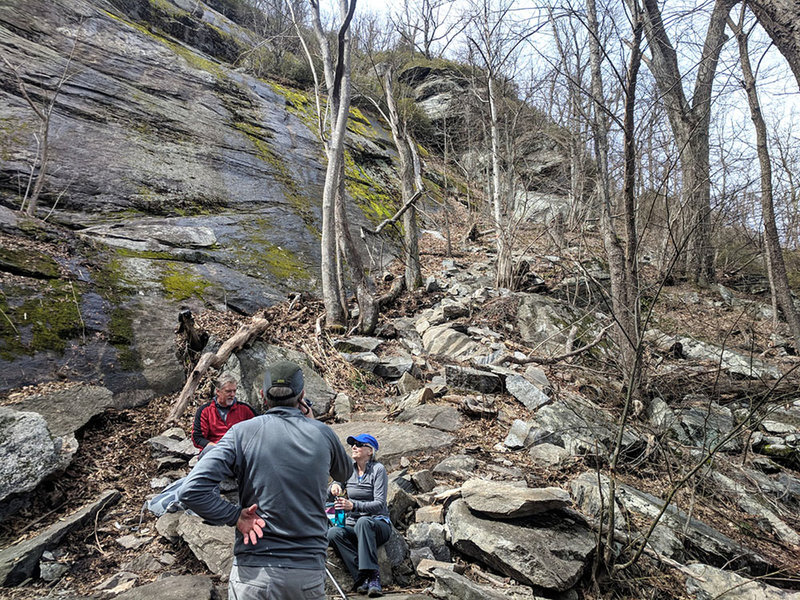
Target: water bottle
{"x":339,"y":515}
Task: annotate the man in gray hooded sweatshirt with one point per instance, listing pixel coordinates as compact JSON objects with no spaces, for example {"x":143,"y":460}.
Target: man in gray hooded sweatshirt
{"x":281,"y":461}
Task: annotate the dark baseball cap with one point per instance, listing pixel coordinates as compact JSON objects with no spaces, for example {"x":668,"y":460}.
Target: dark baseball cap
{"x":283,"y":379}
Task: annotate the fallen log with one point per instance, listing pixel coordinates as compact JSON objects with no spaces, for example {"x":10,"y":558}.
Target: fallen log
{"x":215,"y":360}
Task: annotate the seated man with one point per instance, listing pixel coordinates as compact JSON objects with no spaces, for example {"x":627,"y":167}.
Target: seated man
{"x":214,"y":418}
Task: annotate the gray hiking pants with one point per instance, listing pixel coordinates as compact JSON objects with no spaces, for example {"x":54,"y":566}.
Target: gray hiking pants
{"x":276,"y":583}
{"x":358,"y":546}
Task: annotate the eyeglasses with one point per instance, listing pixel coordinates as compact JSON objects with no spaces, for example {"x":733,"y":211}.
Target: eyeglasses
{"x":360,"y":445}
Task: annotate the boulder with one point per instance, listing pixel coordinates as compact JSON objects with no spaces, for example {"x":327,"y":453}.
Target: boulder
{"x":250,"y":363}
{"x":710,"y":583}
{"x":29,"y":452}
{"x":443,"y":340}
{"x":531,"y":396}
{"x":549,"y":552}
{"x":365,"y":361}
{"x":393,"y":367}
{"x":423,"y":481}
{"x":508,"y":501}
{"x":704,"y":423}
{"x":67,"y":410}
{"x":428,"y":534}
{"x":472,"y":379}
{"x":342,"y":407}
{"x":444,"y":417}
{"x":396,"y":441}
{"x":549,"y":455}
{"x":544,"y":323}
{"x":582,"y":427}
{"x":212,"y":545}
{"x":20,"y":561}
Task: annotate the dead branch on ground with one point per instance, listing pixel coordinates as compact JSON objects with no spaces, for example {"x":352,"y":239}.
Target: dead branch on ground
{"x":215,"y":360}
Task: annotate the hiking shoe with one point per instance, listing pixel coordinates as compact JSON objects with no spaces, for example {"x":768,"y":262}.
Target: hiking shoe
{"x":374,"y":585}
{"x":362,"y":584}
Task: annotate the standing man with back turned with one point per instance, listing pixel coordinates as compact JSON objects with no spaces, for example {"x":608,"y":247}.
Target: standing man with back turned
{"x":281,"y":461}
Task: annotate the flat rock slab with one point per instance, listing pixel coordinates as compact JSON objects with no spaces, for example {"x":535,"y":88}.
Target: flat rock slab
{"x":711,"y":583}
{"x":444,"y":417}
{"x":473,"y":379}
{"x":549,"y":552}
{"x":396,"y":441}
{"x":20,"y":561}
{"x":453,"y":586}
{"x":507,"y":501}
{"x":67,"y":410}
{"x":444,"y":340}
{"x":211,"y":544}
{"x":526,"y":392}
{"x":357,"y":344}
{"x":182,"y":587}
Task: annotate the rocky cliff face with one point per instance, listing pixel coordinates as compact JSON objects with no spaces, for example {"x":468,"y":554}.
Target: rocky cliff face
{"x":177,"y":178}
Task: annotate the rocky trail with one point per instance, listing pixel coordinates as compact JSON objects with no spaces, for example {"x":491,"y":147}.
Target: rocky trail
{"x":497,"y":459}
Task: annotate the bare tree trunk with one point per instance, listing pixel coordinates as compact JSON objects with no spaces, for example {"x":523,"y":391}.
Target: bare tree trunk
{"x":779,"y":19}
{"x":775,"y":263}
{"x":690,"y":124}
{"x":503,"y":275}
{"x":409,"y":175}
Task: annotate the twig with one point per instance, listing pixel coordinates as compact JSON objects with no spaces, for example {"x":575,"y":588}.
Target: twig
{"x":96,"y":537}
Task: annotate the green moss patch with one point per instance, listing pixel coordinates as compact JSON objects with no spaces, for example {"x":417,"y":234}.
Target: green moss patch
{"x":45,"y":320}
{"x":29,"y":263}
{"x":181,"y":282}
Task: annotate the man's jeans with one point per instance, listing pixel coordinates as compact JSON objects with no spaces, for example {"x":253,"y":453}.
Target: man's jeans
{"x":276,"y":583}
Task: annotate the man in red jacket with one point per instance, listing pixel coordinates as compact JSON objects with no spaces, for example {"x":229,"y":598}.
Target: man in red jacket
{"x":214,"y":418}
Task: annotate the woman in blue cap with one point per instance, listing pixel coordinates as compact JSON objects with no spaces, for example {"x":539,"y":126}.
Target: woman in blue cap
{"x":367,"y":525}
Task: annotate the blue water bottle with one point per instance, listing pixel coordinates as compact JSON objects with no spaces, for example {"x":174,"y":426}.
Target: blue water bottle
{"x":339,"y":516}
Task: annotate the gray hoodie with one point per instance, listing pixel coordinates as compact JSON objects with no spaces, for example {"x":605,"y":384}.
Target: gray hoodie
{"x":281,"y":461}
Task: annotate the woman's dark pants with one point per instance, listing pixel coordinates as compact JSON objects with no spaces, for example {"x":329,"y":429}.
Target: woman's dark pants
{"x":358,"y":546}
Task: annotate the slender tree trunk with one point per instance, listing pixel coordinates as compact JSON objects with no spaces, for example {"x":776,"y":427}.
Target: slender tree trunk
{"x":777,"y":267}
{"x":503,"y":275}
{"x":408,"y":182}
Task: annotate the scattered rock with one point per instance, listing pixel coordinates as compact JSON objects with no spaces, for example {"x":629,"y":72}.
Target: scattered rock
{"x":211,"y":544}
{"x":526,"y":392}
{"x":357,"y":344}
{"x":710,"y":583}
{"x":183,"y":587}
{"x":507,"y":501}
{"x":549,"y":553}
{"x":549,"y":455}
{"x":472,"y":379}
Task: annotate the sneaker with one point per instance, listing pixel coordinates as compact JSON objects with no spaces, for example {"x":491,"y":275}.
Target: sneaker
{"x":374,"y":586}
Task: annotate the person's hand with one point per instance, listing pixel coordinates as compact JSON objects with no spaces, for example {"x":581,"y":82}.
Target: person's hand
{"x":343,"y":504}
{"x":251,"y":525}
{"x":336,"y":489}
{"x":305,"y":407}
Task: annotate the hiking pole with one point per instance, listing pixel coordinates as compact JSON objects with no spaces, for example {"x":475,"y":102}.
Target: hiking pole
{"x":336,"y":584}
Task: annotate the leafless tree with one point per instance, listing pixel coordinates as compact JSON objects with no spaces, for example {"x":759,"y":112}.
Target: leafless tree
{"x":779,"y":281}
{"x":423,"y":24}
{"x":43,"y":111}
{"x":338,"y":247}
{"x":689,"y":118}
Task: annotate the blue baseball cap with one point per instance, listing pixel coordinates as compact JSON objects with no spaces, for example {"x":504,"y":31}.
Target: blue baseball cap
{"x":364,"y":438}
